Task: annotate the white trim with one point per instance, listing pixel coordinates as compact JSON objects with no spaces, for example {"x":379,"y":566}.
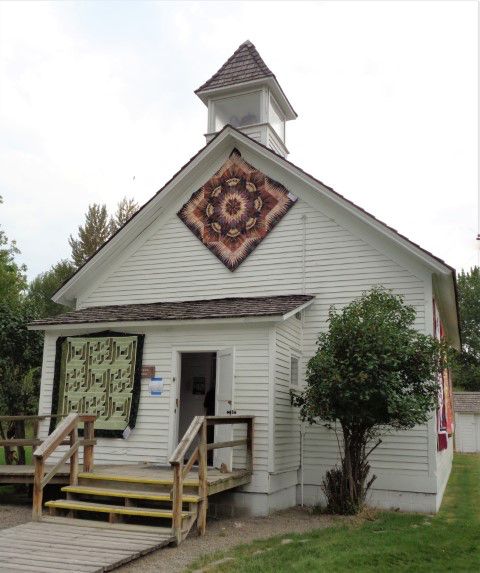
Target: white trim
{"x":272,"y":348}
{"x":149,"y":323}
{"x":298,"y":309}
{"x":222,"y":142}
{"x":350,"y":207}
{"x":144,"y":217}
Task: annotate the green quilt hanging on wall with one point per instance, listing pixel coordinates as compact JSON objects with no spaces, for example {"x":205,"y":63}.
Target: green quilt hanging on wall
{"x":99,"y":374}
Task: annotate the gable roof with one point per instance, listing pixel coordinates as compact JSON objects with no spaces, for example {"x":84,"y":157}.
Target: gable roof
{"x":244,"y":65}
{"x":467,"y":402}
{"x":240,"y":307}
{"x":222,"y":138}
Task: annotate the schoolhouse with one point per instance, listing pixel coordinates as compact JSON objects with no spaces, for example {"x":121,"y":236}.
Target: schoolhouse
{"x":209,"y":301}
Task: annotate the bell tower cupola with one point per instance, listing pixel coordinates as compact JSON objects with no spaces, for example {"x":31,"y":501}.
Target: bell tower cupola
{"x":246,"y":94}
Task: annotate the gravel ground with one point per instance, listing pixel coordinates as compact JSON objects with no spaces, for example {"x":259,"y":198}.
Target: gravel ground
{"x":11,"y":515}
{"x":221,"y":534}
{"x":225,"y":533}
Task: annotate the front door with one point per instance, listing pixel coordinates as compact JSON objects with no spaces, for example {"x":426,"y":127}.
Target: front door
{"x":197,"y":388}
{"x":224,"y":404}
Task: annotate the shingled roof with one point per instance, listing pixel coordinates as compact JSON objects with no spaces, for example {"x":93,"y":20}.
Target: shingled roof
{"x":467,"y":402}
{"x":184,"y":310}
{"x":244,"y":65}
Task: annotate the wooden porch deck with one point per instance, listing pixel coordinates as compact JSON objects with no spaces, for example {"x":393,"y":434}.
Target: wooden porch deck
{"x":217,"y":481}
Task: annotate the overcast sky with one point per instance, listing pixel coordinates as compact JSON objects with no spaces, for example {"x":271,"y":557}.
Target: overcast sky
{"x":97,"y":102}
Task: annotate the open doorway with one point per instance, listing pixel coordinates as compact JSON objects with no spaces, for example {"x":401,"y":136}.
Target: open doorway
{"x":197,"y":391}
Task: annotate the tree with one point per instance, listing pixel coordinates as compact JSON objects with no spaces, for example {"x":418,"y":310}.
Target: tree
{"x":42,"y":288}
{"x":12,"y":275}
{"x":126,"y":209}
{"x":20,"y":349}
{"x":20,"y":359}
{"x":98,"y":228}
{"x":466,"y":366}
{"x":373,"y":372}
{"x":91,"y":235}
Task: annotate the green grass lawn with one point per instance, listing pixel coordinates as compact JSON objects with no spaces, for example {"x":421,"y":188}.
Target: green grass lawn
{"x":388,"y":541}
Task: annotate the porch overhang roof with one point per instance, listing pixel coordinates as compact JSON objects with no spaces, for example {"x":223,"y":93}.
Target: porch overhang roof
{"x":259,"y":308}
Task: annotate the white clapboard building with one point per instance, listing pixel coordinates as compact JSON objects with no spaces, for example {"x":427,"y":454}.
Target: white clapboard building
{"x":222,"y":282}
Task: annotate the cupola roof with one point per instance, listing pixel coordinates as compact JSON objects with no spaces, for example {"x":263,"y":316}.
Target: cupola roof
{"x":244,"y":65}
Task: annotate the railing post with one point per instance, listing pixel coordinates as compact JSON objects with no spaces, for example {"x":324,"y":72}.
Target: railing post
{"x":88,"y":434}
{"x":249,"y":460}
{"x":74,"y":457}
{"x":202,"y":480}
{"x":38,"y":489}
{"x":177,"y":500}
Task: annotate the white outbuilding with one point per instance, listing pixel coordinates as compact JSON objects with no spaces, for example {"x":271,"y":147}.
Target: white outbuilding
{"x":467,"y":421}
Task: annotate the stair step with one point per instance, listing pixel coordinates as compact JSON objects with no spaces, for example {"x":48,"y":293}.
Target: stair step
{"x":134,"y":479}
{"x":133,"y":494}
{"x":117,"y":509}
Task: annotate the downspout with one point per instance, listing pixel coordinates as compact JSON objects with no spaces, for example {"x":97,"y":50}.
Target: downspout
{"x":304,"y":291}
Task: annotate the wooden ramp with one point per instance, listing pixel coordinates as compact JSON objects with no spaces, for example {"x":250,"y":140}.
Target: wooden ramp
{"x":62,"y":545}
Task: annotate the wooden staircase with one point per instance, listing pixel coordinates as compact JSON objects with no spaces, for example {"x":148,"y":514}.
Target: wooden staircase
{"x":168,"y":500}
{"x":128,"y":499}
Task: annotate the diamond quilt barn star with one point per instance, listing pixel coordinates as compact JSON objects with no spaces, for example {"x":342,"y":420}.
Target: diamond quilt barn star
{"x":235,"y":210}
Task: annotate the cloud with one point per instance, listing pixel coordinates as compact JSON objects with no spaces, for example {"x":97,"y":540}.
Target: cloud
{"x":93,"y":94}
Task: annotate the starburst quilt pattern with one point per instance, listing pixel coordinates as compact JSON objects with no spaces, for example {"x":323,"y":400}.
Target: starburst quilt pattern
{"x":235,"y":210}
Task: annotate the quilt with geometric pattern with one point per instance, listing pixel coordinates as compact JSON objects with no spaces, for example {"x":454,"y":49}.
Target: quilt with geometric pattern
{"x":235,"y":210}
{"x":99,"y":374}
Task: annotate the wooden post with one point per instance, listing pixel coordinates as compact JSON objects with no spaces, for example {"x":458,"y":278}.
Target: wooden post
{"x":202,"y":480}
{"x":177,"y":501}
{"x":250,"y":445}
{"x":88,"y":434}
{"x":19,"y":426}
{"x":38,"y":489}
{"x":74,"y":457}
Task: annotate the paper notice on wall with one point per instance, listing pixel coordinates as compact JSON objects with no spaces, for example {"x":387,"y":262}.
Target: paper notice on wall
{"x":155,"y":386}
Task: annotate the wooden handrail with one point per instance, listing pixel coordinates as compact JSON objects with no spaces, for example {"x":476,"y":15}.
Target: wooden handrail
{"x":181,"y":450}
{"x":30,"y":417}
{"x":57,"y":436}
{"x":181,"y":469}
{"x":67,"y":428}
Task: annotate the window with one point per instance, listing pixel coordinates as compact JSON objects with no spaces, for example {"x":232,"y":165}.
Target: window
{"x":237,"y":111}
{"x":275,"y":120}
{"x":293,"y":371}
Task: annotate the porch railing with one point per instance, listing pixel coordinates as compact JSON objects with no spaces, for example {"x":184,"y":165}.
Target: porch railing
{"x":198,"y":431}
{"x":19,"y":432}
{"x":68,"y":428}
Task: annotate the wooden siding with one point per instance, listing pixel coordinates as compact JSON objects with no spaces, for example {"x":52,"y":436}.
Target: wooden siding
{"x":173,"y":265}
{"x":288,"y":339}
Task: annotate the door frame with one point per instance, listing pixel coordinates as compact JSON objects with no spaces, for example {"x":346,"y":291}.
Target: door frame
{"x":174,"y":418}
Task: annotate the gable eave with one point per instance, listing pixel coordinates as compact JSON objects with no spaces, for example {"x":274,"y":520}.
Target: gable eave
{"x":433,"y":262}
{"x":68,"y":292}
{"x":223,"y":142}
